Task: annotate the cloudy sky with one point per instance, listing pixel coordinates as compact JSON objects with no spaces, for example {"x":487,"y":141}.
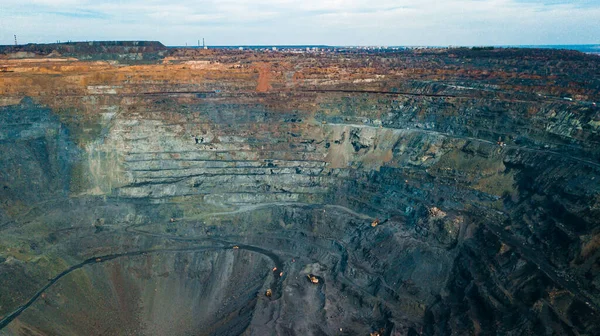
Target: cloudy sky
{"x":331,"y":22}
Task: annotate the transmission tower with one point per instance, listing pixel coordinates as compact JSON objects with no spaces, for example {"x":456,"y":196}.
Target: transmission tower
{"x":16,"y":40}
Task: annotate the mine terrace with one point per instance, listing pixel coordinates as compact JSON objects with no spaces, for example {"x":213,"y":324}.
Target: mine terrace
{"x":148,"y":190}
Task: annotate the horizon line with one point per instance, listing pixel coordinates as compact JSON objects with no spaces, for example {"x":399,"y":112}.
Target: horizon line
{"x":305,"y":45}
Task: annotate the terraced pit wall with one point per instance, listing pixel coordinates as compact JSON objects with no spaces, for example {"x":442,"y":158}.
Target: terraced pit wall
{"x":483,"y":177}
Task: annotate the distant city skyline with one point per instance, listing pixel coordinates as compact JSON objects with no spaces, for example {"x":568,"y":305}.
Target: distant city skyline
{"x":308,"y":22}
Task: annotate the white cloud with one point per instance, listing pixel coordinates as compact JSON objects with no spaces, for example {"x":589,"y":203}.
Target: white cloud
{"x":335,"y":22}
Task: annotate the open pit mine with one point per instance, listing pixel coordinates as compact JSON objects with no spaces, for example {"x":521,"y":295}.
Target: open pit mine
{"x":147,"y":190}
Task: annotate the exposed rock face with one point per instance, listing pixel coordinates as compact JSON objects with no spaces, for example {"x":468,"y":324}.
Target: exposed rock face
{"x":166,"y":193}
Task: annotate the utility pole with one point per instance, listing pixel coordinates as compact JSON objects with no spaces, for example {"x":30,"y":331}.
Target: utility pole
{"x":16,"y":40}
